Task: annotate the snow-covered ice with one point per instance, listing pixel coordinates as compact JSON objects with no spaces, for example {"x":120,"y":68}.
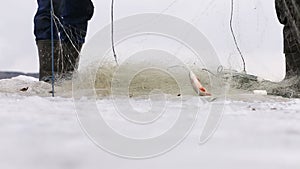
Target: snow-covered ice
{"x":41,"y":132}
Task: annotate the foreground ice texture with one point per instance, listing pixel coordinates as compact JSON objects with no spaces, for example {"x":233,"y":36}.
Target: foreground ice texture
{"x":43,"y":132}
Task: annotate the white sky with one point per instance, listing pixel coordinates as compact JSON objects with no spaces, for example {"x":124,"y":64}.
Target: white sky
{"x":256,"y":26}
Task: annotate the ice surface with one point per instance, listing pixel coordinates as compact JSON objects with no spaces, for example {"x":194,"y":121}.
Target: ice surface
{"x":37,"y":131}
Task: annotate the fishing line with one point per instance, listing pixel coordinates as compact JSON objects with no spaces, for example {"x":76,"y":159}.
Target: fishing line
{"x":112,"y":26}
{"x":234,"y":37}
{"x":52,"y":47}
{"x":112,"y":32}
{"x":65,"y":31}
{"x":168,"y":7}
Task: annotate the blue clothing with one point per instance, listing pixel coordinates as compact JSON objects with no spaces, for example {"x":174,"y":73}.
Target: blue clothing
{"x":73,"y":14}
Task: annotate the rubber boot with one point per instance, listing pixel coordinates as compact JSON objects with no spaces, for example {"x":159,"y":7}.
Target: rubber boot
{"x":292,"y":61}
{"x":290,"y":86}
{"x":45,"y":59}
{"x":70,"y":59}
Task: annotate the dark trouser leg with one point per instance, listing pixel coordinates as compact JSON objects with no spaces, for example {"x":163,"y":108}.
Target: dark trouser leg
{"x":42,"y":19}
{"x":76,"y":14}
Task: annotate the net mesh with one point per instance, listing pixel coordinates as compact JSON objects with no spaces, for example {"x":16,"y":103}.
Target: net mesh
{"x":216,"y":80}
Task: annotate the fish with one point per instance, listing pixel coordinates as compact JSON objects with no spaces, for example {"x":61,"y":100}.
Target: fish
{"x":197,"y":86}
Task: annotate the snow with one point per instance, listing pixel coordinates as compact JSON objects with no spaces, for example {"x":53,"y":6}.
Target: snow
{"x":38,"y":131}
{"x":256,"y":131}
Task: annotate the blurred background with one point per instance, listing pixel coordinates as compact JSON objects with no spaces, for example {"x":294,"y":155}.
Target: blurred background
{"x":256,"y":27}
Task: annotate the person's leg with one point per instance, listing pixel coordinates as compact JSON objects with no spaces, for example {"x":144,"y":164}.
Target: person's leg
{"x":42,"y":31}
{"x":42,"y":19}
{"x":292,"y":64}
{"x":45,"y":59}
{"x":75,"y":14}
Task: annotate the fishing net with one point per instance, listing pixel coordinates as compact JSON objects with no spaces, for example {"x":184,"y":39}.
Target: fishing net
{"x":140,"y":54}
